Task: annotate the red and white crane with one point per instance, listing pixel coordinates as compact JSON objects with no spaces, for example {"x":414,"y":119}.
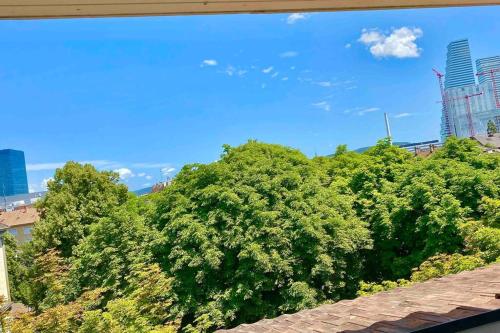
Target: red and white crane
{"x":470,"y":123}
{"x":448,"y":127}
{"x":491,"y":73}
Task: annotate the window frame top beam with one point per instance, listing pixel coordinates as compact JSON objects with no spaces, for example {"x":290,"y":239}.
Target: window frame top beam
{"x":37,"y":9}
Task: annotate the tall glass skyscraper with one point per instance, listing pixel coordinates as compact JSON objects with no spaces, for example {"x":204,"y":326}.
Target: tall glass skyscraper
{"x":459,"y":70}
{"x":486,"y":65}
{"x":13,"y":178}
{"x":469,"y":105}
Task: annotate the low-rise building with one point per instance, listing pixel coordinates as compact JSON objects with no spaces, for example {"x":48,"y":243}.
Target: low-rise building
{"x":20,"y":222}
{"x":8,"y":203}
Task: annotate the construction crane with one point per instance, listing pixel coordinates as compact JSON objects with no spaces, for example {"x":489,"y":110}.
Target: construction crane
{"x":491,"y":73}
{"x":470,"y":123}
{"x":447,"y":123}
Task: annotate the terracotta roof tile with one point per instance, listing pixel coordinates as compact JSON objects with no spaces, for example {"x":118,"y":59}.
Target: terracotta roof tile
{"x":399,"y":310}
{"x":20,"y":216}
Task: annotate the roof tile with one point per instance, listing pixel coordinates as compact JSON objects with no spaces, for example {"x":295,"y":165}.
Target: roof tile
{"x":399,"y":310}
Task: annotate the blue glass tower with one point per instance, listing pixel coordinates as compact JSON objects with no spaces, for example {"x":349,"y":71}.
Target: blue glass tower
{"x":489,"y":66}
{"x":459,"y":70}
{"x":13,"y":178}
{"x":469,"y":106}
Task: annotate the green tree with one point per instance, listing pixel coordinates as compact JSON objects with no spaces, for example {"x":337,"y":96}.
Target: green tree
{"x":442,"y":265}
{"x":414,"y":206}
{"x":490,"y":209}
{"x":261,"y":232}
{"x":434,"y":267}
{"x":18,"y":263}
{"x":61,"y":318}
{"x":113,"y":245}
{"x":463,"y":150}
{"x":257,"y":234}
{"x":491,"y":128}
{"x":341,"y":149}
{"x":146,"y":309}
{"x":49,"y":278}
{"x":77,"y":197}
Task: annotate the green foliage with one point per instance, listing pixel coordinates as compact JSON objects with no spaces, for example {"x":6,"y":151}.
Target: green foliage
{"x":257,"y":234}
{"x":49,"y":277}
{"x":415,"y":206}
{"x":370,"y":288}
{"x":491,"y":212}
{"x":434,"y":267}
{"x":463,"y":150}
{"x":442,"y":265}
{"x":341,"y":149}
{"x":78,"y":196}
{"x":114,"y":244}
{"x":491,"y":128}
{"x":145,"y":309}
{"x":61,"y":318}
{"x":486,"y":243}
{"x":16,"y":265}
{"x":263,"y":231}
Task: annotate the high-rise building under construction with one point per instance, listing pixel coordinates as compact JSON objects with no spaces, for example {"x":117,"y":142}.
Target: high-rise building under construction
{"x":468,"y":106}
{"x":488,"y":70}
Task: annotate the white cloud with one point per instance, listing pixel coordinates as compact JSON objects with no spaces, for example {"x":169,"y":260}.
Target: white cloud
{"x":284,"y":78}
{"x":55,"y":165}
{"x":268,"y":70}
{"x":402,"y":115}
{"x":324,"y":105}
{"x":325,"y":84}
{"x":367,"y":110}
{"x":230,"y":70}
{"x":348,"y":45}
{"x":144,"y":175}
{"x":289,"y":54}
{"x":263,"y":86}
{"x":209,"y":62}
{"x":167,"y":171}
{"x":275,"y":75}
{"x":44,"y":166}
{"x":292,"y":68}
{"x":400,"y":43}
{"x":124,"y":173}
{"x":295,"y":17}
{"x":361,"y":111}
{"x":44,"y":183}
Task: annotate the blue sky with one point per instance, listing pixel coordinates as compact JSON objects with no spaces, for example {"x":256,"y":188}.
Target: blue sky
{"x":147,"y":95}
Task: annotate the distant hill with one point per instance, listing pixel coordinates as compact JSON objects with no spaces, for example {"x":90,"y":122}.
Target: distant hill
{"x":143,"y":191}
{"x":363,"y":149}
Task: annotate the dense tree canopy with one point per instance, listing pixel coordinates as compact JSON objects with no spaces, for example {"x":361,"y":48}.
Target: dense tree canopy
{"x":260,"y":232}
{"x":257,"y":234}
{"x":78,"y":196}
